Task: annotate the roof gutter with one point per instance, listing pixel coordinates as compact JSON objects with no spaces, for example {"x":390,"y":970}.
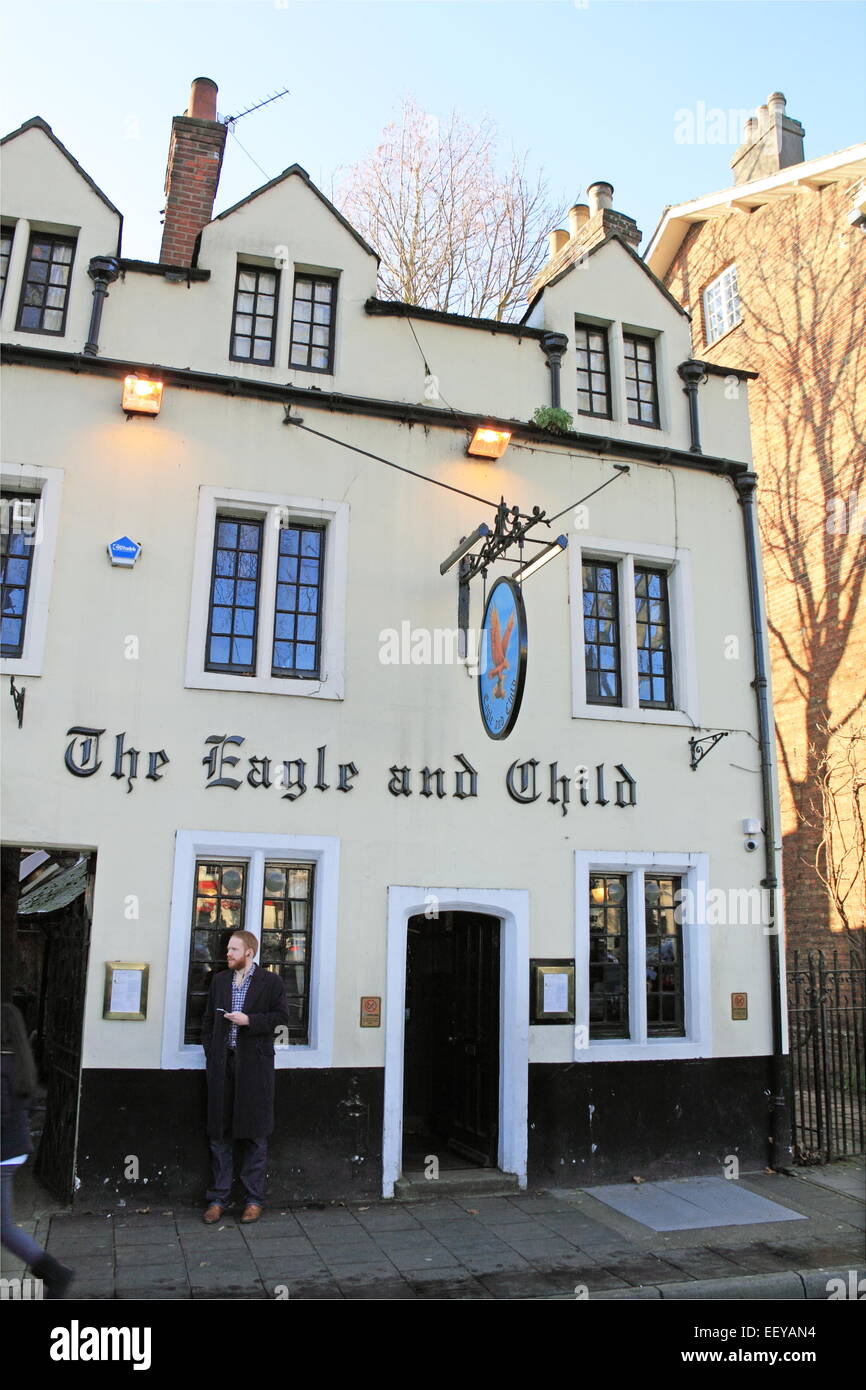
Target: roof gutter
{"x":21,"y":354}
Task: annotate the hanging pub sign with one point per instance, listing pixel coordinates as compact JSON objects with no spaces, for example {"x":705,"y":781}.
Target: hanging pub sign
{"x":502,"y":668}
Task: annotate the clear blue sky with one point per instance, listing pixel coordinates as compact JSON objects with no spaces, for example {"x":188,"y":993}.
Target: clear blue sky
{"x":592,"y":90}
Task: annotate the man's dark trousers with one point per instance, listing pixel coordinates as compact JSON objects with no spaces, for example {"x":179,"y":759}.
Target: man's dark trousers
{"x":253,"y":1173}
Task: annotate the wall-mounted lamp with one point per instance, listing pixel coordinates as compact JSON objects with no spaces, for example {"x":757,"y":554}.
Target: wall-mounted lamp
{"x":487,"y":443}
{"x":464,"y":547}
{"x":141,"y":395}
{"x":548,"y":553}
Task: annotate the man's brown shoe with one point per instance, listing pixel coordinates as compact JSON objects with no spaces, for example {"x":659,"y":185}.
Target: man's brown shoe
{"x":213,"y":1214}
{"x":252,"y":1212}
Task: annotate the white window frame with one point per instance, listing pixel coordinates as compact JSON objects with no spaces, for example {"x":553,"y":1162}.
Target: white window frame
{"x":626,"y":554}
{"x":720,"y":289}
{"x":693,"y":868}
{"x":321,"y":850}
{"x":48,"y":483}
{"x":269,"y":507}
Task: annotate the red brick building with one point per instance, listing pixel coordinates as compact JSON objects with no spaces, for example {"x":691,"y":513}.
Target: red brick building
{"x":773,"y":273}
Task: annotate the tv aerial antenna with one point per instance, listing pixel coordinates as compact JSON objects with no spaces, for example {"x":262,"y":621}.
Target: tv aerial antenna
{"x":231,"y":121}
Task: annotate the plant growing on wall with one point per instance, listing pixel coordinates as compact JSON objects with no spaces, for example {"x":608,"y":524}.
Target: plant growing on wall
{"x":553,"y":418}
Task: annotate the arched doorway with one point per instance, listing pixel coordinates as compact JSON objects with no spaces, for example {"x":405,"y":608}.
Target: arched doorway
{"x":451,"y":1042}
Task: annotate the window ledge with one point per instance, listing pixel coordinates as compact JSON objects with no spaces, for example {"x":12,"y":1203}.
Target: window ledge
{"x":620,"y":714}
{"x":322,"y":689}
{"x":191,"y":1057}
{"x":722,"y":336}
{"x":661,"y":1050}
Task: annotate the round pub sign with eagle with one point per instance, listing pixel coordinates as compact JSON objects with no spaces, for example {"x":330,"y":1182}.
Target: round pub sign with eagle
{"x":502,"y":665}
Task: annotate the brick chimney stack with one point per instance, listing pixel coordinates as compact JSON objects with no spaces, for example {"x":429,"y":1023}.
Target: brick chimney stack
{"x":772,"y":141}
{"x":195,"y":157}
{"x":589,"y":224}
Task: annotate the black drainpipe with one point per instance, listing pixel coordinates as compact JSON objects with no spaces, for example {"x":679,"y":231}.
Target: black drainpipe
{"x":780,"y":1107}
{"x":103,"y":271}
{"x":694,"y":374}
{"x":554,"y":346}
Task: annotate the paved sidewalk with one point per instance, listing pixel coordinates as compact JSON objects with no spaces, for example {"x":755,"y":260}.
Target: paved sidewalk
{"x":554,"y":1244}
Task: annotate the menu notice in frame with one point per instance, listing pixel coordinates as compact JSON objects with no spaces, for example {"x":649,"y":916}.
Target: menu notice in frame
{"x":551,"y":991}
{"x":125,"y":991}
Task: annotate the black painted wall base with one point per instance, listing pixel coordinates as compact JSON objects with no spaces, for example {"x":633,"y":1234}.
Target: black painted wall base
{"x":603,"y":1121}
{"x":142,"y":1136}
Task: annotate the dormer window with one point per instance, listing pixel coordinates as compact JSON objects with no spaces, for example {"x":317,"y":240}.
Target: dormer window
{"x":593,"y":371}
{"x":255,"y":315}
{"x":314,"y":307}
{"x":721,"y":305}
{"x":6,"y":234}
{"x":641,"y":384}
{"x":45,"y":296}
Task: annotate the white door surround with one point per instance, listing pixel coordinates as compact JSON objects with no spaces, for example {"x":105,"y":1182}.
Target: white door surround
{"x":511,"y":907}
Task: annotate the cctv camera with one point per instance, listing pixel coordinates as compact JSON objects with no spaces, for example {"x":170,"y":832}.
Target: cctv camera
{"x":751,"y":843}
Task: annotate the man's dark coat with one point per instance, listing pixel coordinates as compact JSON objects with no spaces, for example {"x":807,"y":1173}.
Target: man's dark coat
{"x":265,"y":1005}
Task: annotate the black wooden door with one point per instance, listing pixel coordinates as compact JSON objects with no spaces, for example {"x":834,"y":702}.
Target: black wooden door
{"x":65,"y":970}
{"x":474,"y":1038}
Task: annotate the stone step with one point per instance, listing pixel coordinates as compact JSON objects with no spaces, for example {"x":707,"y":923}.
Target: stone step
{"x":455,"y":1182}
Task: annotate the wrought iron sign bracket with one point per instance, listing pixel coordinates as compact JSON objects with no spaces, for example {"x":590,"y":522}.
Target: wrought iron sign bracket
{"x":509,"y":529}
{"x":18,"y":698}
{"x":699,"y":752}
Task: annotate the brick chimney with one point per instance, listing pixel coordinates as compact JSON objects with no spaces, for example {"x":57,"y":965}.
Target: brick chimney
{"x":772,"y":141}
{"x":195,"y":157}
{"x":589,"y":224}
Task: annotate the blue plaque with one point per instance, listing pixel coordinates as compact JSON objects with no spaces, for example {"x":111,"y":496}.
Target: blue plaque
{"x":502,"y":665}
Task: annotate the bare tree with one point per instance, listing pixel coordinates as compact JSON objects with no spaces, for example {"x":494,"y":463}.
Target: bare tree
{"x":840,"y":860}
{"x":455,"y":230}
{"x":801,"y":278}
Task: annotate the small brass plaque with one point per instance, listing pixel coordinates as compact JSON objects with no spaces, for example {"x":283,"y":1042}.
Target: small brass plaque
{"x":371,"y":1011}
{"x":739,"y":1006}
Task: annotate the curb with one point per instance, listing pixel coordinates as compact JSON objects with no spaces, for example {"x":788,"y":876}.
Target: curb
{"x":786,"y":1286}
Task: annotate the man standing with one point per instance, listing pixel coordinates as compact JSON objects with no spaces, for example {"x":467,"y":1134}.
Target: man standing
{"x":245,"y":1005}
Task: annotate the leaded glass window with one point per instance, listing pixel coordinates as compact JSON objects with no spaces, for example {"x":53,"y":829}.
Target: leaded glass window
{"x":721,"y":305}
{"x":287,"y":912}
{"x":593,"y":371}
{"x":608,"y":956}
{"x":641,"y":389}
{"x":6,"y":234}
{"x":601,"y":633}
{"x":255,"y":315}
{"x":17,"y":543}
{"x":45,"y":293}
{"x":652,"y":617}
{"x":665,"y":1014}
{"x":298,"y":609}
{"x":218,"y":912}
{"x":233,"y":617}
{"x":313,"y":316}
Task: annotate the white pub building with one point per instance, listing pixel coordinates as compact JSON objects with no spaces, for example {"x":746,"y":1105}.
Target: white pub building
{"x":523,"y":891}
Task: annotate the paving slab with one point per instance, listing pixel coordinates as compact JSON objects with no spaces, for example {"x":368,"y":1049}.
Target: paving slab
{"x":689,"y":1203}
{"x":457,"y":1289}
{"x":702,"y":1264}
{"x":382,"y":1289}
{"x":646,"y":1270}
{"x":848,"y":1178}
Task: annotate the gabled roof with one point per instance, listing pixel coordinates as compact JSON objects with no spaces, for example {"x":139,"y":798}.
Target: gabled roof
{"x":37,"y":123}
{"x":845,"y":166}
{"x":295,"y":170}
{"x":591,"y":252}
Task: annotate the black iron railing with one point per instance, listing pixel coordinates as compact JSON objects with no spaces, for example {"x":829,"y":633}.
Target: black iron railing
{"x":826,"y":1031}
